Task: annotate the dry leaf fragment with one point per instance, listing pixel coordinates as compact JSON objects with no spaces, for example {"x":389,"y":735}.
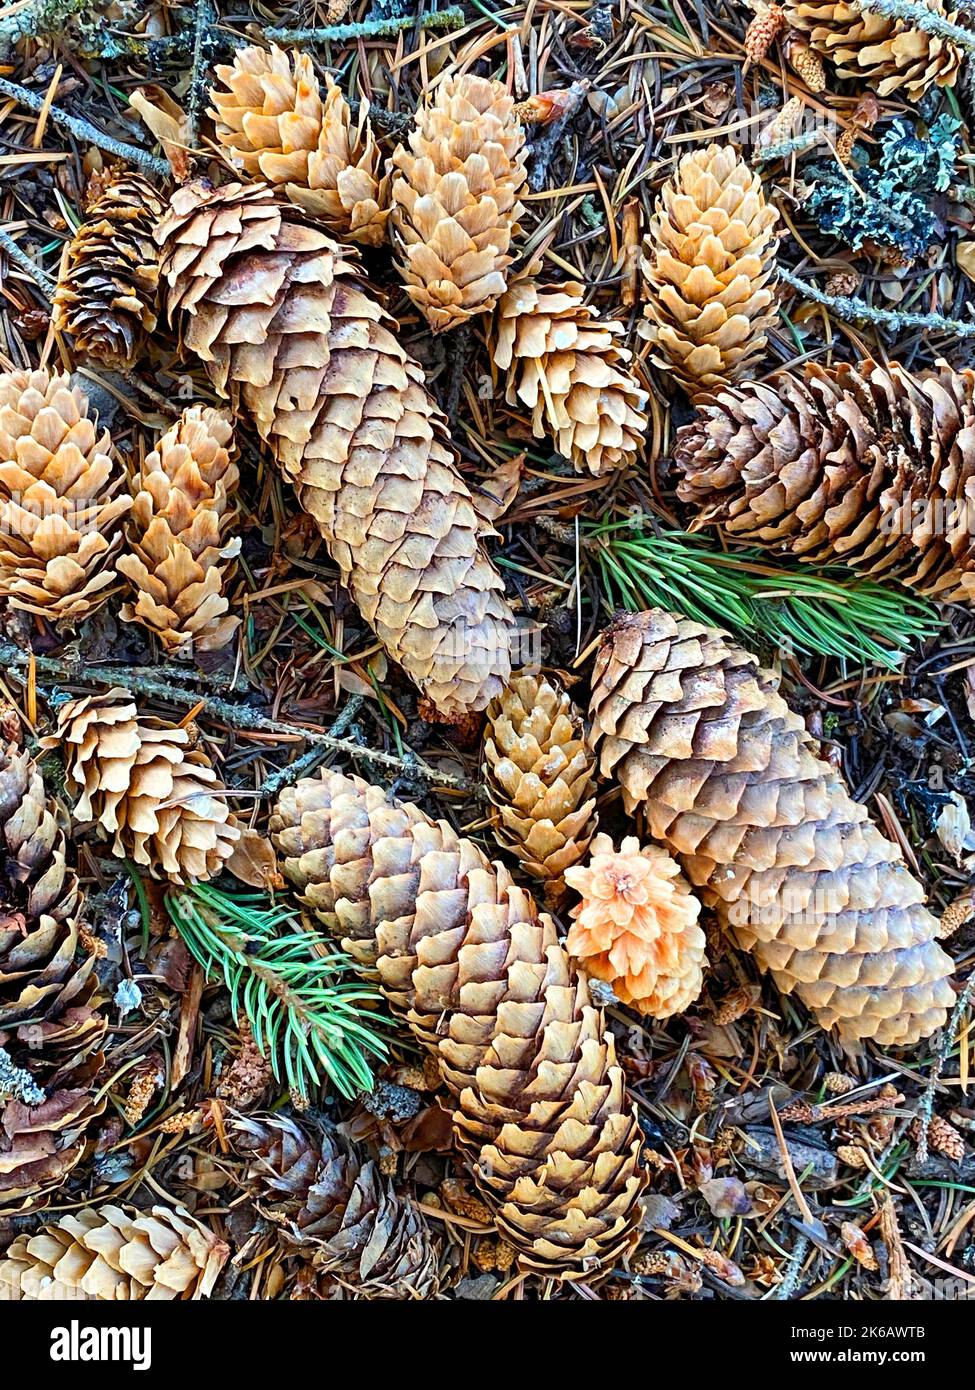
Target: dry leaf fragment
{"x":254,"y":862}
{"x":954,"y":827}
{"x":858,"y":1245}
{"x":965,"y":258}
{"x":727,"y":1197}
{"x":168,"y":122}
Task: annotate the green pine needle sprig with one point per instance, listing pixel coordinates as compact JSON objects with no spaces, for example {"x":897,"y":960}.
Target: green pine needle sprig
{"x":309,"y":1016}
{"x":815,"y":612}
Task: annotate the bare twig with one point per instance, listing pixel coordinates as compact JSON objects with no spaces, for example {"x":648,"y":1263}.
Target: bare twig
{"x":925,"y":1107}
{"x":441,"y":21}
{"x":84,"y":130}
{"x":41,"y":279}
{"x":856,"y":310}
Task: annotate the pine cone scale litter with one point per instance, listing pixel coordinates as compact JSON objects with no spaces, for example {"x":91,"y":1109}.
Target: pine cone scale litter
{"x":463,"y":955}
{"x":105,"y":1254}
{"x":867,"y":465}
{"x":274,"y":309}
{"x":728,"y":777}
{"x":709,"y":263}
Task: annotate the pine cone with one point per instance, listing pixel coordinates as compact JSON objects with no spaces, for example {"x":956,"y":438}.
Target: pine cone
{"x":49,"y":1024}
{"x":455,"y":199}
{"x":709,"y":259}
{"x":865,"y":465}
{"x":142,"y":783}
{"x":324,"y":1195}
{"x":181,"y":556}
{"x":464,"y":956}
{"x":804,"y":60}
{"x":540,"y":776}
{"x":274,"y":124}
{"x":698,"y":736}
{"x":636,"y":927}
{"x":108,"y":291}
{"x":562,"y":361}
{"x":107,"y":1254}
{"x":60,"y":522}
{"x":943,"y":1137}
{"x":890,"y":55}
{"x":273,"y":308}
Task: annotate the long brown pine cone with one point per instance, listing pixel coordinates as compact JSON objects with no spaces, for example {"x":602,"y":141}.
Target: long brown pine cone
{"x":540,"y":776}
{"x":274,"y":122}
{"x":709,"y":262}
{"x":61,"y":507}
{"x":50,"y":1024}
{"x":276,"y":311}
{"x":181,"y":555}
{"x":107,"y":296}
{"x":698,"y":737}
{"x":455,"y":199}
{"x":889,"y":54}
{"x":465,"y":957}
{"x":867,"y":465}
{"x":109,"y":1254}
{"x":338,"y":1207}
{"x":143,"y":783}
{"x":563,"y":361}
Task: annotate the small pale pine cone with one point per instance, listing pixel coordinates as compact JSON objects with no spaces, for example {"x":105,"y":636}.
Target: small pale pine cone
{"x":762,"y":31}
{"x":274,"y":122}
{"x":329,"y":1200}
{"x":636,"y":927}
{"x":709,"y":262}
{"x":888,"y":54}
{"x":142,"y":783}
{"x":109,"y":1254}
{"x":50,"y":1021}
{"x":862,"y":464}
{"x":455,"y":199}
{"x":697,"y":735}
{"x":276,"y":311}
{"x":837,"y":1083}
{"x":804,"y":61}
{"x":943,"y":1137}
{"x":561,"y":360}
{"x":180,"y":555}
{"x":539,"y":774}
{"x":60,"y":506}
{"x":463,"y":955}
{"x":107,"y":296}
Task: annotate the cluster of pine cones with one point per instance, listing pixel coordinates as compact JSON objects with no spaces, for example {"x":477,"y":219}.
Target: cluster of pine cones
{"x":260,"y":279}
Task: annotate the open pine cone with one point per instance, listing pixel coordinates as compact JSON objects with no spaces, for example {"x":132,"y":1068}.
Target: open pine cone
{"x":49,"y":1021}
{"x":338,"y":1208}
{"x":455,"y":199}
{"x":540,"y":776}
{"x":636,"y":927}
{"x":464,"y":956}
{"x":867,"y":465}
{"x":889,"y":54}
{"x":60,"y":507}
{"x":709,"y":262}
{"x":275,"y":310}
{"x":107,"y":1254}
{"x":698,"y":737}
{"x":181,"y":555}
{"x":274,"y":123}
{"x":562,"y":361}
{"x":142,"y":782}
{"x":108,"y":291}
